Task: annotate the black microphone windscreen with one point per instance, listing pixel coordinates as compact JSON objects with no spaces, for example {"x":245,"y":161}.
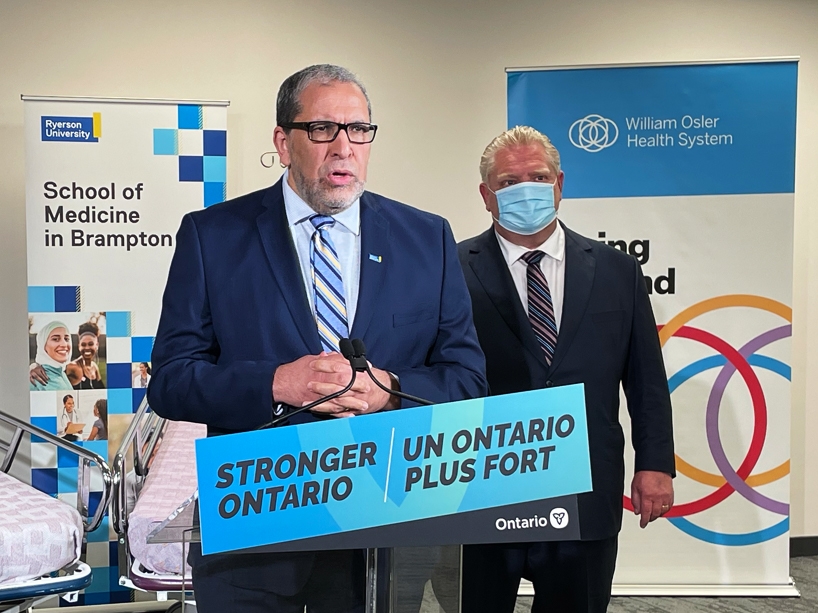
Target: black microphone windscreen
{"x":359,"y":347}
{"x":347,"y":348}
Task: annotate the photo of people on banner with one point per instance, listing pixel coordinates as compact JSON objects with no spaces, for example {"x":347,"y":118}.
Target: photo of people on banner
{"x":141,"y":374}
{"x":68,"y":369}
{"x":83,"y":416}
{"x":66,"y":351}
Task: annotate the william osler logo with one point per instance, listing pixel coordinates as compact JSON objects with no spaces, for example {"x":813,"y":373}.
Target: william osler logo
{"x":593,"y":133}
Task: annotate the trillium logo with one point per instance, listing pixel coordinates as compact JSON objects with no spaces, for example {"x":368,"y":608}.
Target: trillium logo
{"x":593,"y":133}
{"x":559,"y":518}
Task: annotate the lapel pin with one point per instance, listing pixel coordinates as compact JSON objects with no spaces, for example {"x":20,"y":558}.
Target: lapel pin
{"x":375,"y":258}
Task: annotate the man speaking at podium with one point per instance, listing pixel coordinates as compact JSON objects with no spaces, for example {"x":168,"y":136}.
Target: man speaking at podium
{"x":262,"y":288}
{"x":551,"y":308}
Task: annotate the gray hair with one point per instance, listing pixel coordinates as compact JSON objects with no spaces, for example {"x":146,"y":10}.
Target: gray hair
{"x":288,"y":103}
{"x":516,"y":137}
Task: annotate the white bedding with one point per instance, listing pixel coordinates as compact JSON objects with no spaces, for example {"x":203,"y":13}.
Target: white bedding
{"x":171,"y":480}
{"x":38,"y":534}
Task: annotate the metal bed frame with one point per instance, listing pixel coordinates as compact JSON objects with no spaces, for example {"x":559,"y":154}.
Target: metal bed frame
{"x":140,"y":441}
{"x":65,"y":582}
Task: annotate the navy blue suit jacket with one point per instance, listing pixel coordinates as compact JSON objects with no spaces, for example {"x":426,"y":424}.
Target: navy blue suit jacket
{"x":235,"y":308}
{"x":607,"y":338}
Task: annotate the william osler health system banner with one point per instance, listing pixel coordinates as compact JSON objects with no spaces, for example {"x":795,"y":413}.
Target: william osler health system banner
{"x":690,"y":168}
{"x":107,"y":183}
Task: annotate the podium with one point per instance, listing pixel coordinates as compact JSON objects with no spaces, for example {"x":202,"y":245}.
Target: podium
{"x":398,"y":579}
{"x":414,"y":580}
{"x":408,"y":486}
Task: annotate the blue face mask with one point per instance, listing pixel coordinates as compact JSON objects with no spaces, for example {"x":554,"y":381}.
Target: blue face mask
{"x":526,"y":208}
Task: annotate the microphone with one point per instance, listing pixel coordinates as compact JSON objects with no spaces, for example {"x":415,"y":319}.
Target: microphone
{"x":359,"y":362}
{"x":347,"y":351}
{"x":356,"y":358}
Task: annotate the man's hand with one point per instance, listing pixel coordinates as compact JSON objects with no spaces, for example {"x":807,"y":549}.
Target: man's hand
{"x":652,"y":495}
{"x":291,"y":382}
{"x":332,"y":373}
{"x":37,"y":374}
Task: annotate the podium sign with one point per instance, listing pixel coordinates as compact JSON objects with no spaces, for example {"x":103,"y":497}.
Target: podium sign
{"x":503,"y":468}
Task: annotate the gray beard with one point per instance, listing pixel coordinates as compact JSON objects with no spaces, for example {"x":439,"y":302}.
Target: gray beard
{"x":322,"y":200}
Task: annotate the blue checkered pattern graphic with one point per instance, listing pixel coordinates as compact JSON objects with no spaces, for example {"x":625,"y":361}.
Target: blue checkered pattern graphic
{"x":54,"y":299}
{"x":201,"y":152}
{"x":55,"y":471}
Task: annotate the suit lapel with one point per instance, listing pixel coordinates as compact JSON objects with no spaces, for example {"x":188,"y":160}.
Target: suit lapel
{"x":579,"y":279}
{"x":286,"y":270}
{"x":374,"y":243}
{"x":491,"y":270}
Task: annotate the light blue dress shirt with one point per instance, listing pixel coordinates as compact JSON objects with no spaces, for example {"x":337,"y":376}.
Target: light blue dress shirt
{"x":346,"y":237}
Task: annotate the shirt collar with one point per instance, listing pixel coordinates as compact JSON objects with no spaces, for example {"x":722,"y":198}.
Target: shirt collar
{"x":299,"y":211}
{"x":553,"y":246}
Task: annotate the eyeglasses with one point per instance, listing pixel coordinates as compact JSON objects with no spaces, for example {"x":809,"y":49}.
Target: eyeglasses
{"x":327,"y":131}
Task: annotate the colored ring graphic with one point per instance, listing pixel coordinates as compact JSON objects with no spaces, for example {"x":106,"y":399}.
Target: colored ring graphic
{"x":700,"y":366}
{"x":712,"y":424}
{"x":759,"y":414}
{"x":730,"y":360}
{"x":703,"y":365}
{"x":731,"y":540}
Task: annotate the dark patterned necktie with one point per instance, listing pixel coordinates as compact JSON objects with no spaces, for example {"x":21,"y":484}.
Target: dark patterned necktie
{"x":540,"y":307}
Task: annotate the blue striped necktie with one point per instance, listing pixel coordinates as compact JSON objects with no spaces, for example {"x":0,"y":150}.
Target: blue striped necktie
{"x":328,"y":285}
{"x":540,"y":307}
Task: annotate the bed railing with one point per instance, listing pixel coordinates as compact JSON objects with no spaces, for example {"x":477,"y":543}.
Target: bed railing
{"x":140,"y":441}
{"x":87,"y":459}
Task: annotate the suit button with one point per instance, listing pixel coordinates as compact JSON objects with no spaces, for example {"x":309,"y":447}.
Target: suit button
{"x":549,"y":383}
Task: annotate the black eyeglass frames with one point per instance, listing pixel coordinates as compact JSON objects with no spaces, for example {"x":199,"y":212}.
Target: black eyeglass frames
{"x":327,"y":131}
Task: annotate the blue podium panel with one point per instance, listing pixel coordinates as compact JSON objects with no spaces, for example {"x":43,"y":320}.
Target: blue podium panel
{"x":345,"y":476}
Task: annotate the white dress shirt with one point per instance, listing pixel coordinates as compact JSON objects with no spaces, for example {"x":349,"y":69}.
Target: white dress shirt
{"x":346,"y":238}
{"x":552,"y":266}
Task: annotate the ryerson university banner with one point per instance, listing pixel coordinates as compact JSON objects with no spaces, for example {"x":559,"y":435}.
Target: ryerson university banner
{"x":691,"y":169}
{"x":107,"y":183}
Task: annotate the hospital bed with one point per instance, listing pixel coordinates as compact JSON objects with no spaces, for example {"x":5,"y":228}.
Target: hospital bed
{"x":157,"y":461}
{"x":42,"y":538}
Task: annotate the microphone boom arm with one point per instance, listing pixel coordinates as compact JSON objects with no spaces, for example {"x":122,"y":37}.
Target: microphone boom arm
{"x":397,"y":393}
{"x":358,"y":361}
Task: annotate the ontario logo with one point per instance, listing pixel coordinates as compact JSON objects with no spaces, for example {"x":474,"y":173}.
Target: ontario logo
{"x":72,"y":129}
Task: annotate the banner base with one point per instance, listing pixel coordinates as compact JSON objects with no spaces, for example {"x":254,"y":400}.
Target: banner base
{"x":657,"y":589}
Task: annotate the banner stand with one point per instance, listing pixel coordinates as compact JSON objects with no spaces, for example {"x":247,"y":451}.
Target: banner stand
{"x":657,"y":160}
{"x":108,"y":181}
{"x":653,"y":591}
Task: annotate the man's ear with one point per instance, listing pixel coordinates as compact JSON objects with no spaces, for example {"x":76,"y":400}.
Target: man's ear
{"x":282,"y":145}
{"x":485,"y":192}
{"x":560,"y":183}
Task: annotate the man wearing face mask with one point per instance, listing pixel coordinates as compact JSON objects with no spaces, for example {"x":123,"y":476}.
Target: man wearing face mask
{"x":553,"y":308}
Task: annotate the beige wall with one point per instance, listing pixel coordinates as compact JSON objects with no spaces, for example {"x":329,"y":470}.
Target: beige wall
{"x":435,"y":73}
